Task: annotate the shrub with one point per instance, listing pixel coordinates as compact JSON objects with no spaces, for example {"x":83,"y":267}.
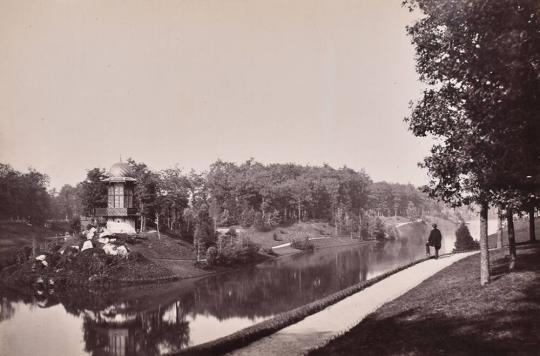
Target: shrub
{"x":237,"y":251}
{"x":276,"y":237}
{"x":258,"y":222}
{"x":378,"y":229}
{"x":464,"y":240}
{"x":211,"y":255}
{"x":302,"y":243}
{"x":392,"y":231}
{"x":247,"y":217}
{"x":271,"y":220}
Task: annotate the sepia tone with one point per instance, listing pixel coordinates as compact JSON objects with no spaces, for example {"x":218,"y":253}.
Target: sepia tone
{"x":256,"y":177}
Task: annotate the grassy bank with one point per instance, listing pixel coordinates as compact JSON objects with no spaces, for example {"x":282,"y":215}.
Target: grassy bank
{"x":450,"y":313}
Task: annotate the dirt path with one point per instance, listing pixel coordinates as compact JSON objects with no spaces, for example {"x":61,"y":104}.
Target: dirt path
{"x":318,"y":329}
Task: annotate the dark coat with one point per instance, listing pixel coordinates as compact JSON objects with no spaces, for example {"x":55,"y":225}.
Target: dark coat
{"x":435,"y":238}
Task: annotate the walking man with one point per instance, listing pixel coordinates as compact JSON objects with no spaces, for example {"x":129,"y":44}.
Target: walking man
{"x":434,"y":240}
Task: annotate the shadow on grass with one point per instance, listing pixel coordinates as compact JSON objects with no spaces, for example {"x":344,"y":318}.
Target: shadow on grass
{"x":498,"y":333}
{"x":527,"y":260}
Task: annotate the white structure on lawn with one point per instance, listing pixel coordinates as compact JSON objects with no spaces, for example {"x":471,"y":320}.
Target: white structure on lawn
{"x":120,"y":213}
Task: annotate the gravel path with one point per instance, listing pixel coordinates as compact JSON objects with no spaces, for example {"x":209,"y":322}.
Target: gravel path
{"x":319,"y":328}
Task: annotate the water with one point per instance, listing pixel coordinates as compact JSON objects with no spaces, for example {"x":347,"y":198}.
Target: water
{"x":153,"y":320}
{"x":474,"y":227}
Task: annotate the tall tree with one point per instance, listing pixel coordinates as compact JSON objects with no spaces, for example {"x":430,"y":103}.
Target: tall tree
{"x":93,"y":191}
{"x":145,"y":196}
{"x":480,"y":61}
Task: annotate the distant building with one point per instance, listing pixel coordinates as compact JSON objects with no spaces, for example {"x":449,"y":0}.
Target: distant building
{"x":120,"y":213}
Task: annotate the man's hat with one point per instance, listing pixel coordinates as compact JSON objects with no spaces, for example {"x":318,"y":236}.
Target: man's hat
{"x":434,"y":225}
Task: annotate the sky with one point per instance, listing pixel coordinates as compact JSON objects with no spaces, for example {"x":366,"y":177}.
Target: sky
{"x":183,"y":83}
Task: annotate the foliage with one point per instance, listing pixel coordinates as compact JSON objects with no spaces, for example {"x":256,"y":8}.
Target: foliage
{"x":24,"y":195}
{"x":93,"y":191}
{"x":392,"y":232}
{"x":236,"y":250}
{"x":66,"y":203}
{"x":481,"y":62}
{"x":464,"y":240}
{"x":247,"y":218}
{"x":231,"y":232}
{"x":250,"y":194}
{"x":204,"y":232}
{"x":258,"y":222}
{"x":75,"y":224}
{"x":211,"y":255}
{"x":379,"y":230}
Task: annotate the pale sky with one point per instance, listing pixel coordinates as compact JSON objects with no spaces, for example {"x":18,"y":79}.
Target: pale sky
{"x":186,"y":82}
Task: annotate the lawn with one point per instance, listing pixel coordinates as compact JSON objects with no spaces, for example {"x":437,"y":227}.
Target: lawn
{"x":450,"y":313}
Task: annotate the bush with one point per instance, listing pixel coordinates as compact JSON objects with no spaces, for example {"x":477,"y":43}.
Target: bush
{"x":258,"y":222}
{"x":237,"y":251}
{"x":271,"y":220}
{"x":211,"y":255}
{"x":276,"y":237}
{"x":393,"y":232}
{"x":247,"y":217}
{"x":302,"y":243}
{"x":378,"y":229}
{"x":464,"y":240}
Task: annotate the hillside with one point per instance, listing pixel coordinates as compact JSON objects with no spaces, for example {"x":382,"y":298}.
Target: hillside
{"x":281,"y":235}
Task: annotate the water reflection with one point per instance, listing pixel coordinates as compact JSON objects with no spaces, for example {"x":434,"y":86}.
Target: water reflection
{"x":155,"y":320}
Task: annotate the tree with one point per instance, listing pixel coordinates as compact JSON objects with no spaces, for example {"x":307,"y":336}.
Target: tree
{"x":173,"y":197}
{"x":93,"y":191}
{"x":67,"y":202}
{"x":204,"y":232}
{"x":378,"y":230}
{"x":24,"y":195}
{"x":464,"y":240}
{"x":145,"y":195}
{"x":480,"y":61}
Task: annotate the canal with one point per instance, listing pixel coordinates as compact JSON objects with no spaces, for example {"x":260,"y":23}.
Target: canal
{"x":155,"y":320}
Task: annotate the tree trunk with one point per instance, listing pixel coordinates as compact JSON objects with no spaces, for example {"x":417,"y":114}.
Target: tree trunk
{"x":142,"y":216}
{"x":499,"y":230}
{"x":335,"y":222}
{"x":532,"y":234}
{"x":157,"y":226}
{"x":511,"y":238}
{"x":484,"y":250}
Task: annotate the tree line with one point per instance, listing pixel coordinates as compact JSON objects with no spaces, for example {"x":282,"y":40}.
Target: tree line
{"x":263,"y":196}
{"x":24,"y":196}
{"x":250,"y":194}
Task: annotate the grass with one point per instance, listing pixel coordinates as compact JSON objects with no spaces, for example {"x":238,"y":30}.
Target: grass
{"x":450,"y":313}
{"x":285,"y":234}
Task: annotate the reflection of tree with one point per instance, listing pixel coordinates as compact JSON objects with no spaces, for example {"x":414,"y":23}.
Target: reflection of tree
{"x":7,"y":310}
{"x":284,"y":285}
